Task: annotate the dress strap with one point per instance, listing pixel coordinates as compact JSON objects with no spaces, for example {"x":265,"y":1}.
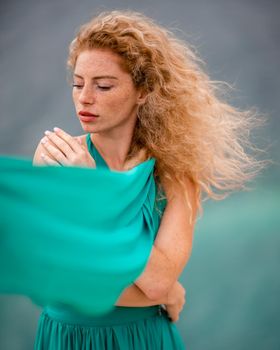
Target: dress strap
{"x":100,"y":162}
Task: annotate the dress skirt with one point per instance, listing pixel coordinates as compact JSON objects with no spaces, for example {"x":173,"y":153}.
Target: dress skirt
{"x":124,"y":328}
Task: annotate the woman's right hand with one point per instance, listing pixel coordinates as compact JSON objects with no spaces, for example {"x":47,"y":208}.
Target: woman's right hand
{"x":175,"y":301}
{"x":61,"y":149}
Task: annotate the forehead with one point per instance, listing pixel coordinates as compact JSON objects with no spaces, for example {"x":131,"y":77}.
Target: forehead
{"x":99,"y":61}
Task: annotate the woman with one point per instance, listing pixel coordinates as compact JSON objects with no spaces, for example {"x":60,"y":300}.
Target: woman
{"x":139,"y":93}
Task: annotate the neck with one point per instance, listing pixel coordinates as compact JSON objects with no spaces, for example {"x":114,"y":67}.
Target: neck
{"x":113,"y":148}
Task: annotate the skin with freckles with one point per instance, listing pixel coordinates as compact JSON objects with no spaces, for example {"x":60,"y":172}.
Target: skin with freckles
{"x":103,"y":88}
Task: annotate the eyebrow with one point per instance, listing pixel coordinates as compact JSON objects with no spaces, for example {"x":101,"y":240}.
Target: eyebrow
{"x":98,"y":77}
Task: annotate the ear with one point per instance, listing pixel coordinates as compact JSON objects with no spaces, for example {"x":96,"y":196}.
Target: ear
{"x":142,"y":96}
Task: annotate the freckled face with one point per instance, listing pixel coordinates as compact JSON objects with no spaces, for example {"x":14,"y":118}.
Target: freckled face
{"x":102,"y":88}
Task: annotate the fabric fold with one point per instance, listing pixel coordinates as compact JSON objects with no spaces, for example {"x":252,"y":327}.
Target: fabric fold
{"x":74,"y":236}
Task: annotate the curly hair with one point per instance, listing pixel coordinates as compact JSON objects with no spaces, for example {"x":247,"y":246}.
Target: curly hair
{"x":184,"y":124}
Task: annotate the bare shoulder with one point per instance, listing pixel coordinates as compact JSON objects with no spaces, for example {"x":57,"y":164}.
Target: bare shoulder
{"x":172,"y":187}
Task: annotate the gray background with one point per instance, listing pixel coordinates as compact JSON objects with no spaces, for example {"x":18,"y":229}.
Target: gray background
{"x":232,"y":279}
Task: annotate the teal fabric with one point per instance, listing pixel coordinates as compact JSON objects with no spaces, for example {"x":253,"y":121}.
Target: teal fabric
{"x":72,"y":239}
{"x":143,"y":328}
{"x":74,"y":236}
{"x":100,"y":162}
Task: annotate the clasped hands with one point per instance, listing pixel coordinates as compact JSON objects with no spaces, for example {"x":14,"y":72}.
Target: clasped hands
{"x":65,"y":150}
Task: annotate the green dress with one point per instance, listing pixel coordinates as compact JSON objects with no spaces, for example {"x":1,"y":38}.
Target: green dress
{"x":72,"y":240}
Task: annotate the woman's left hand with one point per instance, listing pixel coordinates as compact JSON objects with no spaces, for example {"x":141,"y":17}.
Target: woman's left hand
{"x":176,"y":299}
{"x":65,"y":150}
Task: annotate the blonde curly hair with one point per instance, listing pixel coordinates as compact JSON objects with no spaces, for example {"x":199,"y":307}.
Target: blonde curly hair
{"x":184,"y":124}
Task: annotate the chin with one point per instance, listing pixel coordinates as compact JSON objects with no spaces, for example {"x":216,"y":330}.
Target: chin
{"x":87,"y":127}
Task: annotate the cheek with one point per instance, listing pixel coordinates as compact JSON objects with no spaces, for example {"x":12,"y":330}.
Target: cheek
{"x":124,"y":99}
{"x":74,"y":97}
{"x":118,"y":106}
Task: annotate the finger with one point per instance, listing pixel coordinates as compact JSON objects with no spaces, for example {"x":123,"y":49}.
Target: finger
{"x":173,"y":317}
{"x":54,"y":152}
{"x":71,"y":141}
{"x":173,"y":313}
{"x":60,"y":143}
{"x":48,"y":161}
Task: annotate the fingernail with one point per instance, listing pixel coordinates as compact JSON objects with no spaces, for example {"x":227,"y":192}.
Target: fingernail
{"x":43,"y":155}
{"x":47,"y":132}
{"x":56,"y":129}
{"x":44,"y":140}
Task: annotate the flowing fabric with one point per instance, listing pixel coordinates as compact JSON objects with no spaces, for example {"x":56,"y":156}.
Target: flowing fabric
{"x":74,"y":236}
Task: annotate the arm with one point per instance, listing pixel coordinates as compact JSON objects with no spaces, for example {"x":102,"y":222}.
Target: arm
{"x":158,"y":283}
{"x":133,"y":296}
{"x":172,"y":247}
{"x":173,"y":301}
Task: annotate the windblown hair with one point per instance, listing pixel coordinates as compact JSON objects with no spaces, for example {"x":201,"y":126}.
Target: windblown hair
{"x":184,"y":124}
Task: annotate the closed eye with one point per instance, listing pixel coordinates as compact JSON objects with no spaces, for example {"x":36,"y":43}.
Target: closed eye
{"x":104,"y":88}
{"x":77,"y":86}
{"x":100,"y":87}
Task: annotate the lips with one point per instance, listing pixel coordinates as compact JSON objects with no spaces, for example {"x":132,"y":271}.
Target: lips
{"x":87,"y":116}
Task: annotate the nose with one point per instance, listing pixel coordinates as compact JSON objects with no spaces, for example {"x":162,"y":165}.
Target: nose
{"x":87,"y":95}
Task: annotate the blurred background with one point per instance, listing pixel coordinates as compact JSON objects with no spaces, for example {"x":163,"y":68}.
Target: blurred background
{"x":232,"y":279}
